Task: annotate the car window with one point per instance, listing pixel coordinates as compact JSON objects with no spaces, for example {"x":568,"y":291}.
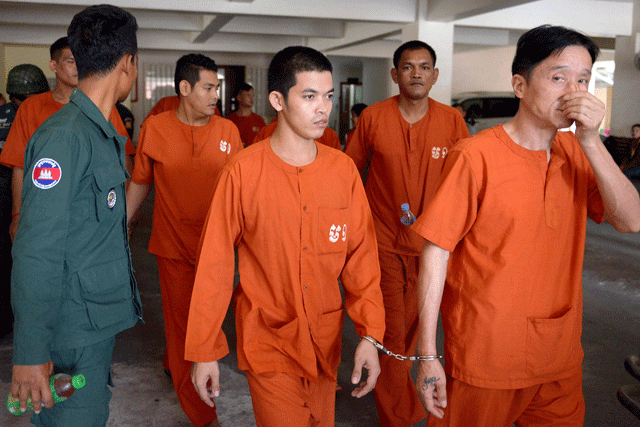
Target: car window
{"x":500,"y":107}
{"x":490,"y":107}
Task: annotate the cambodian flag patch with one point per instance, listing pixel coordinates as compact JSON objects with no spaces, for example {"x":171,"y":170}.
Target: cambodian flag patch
{"x":46,"y":174}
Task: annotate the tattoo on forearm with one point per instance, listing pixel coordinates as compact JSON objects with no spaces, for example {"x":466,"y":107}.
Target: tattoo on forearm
{"x":428,"y":382}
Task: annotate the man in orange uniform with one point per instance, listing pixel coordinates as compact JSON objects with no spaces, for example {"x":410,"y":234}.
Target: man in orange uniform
{"x":329,"y":137}
{"x":168,"y":103}
{"x":400,"y":145}
{"x":298,"y":214}
{"x":38,"y":108}
{"x":248,"y":122}
{"x":511,"y":214}
{"x":182,"y":151}
{"x":171,"y":103}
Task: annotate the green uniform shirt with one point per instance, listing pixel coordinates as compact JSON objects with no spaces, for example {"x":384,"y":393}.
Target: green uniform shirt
{"x":72,"y":284}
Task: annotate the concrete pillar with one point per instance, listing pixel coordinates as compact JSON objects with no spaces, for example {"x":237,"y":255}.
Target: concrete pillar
{"x":439,"y":35}
{"x":3,"y":73}
{"x":625,"y":110}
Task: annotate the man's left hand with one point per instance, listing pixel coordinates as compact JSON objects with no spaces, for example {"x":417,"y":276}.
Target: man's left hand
{"x":366,"y":356}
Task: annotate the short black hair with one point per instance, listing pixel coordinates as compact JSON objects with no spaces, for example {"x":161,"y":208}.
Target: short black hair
{"x":189,"y":66}
{"x":412,"y":45}
{"x":357,"y":108}
{"x":99,"y":37}
{"x":637,"y":125}
{"x":57,"y":47}
{"x":541,"y":42}
{"x":286,"y":64}
{"x":244,"y":87}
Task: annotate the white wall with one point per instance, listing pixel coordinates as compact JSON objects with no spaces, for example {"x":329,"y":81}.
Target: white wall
{"x":343,"y":69}
{"x":485,"y":69}
{"x":373,"y":73}
{"x":376,"y":80}
{"x":626,"y":90}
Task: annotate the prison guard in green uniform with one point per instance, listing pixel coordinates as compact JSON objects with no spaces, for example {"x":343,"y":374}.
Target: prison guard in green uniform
{"x":72,"y":282}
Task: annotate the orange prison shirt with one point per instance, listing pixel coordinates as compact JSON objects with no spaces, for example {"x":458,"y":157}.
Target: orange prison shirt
{"x":170,"y":103}
{"x":31,"y":114}
{"x":183,"y":161}
{"x":329,"y":137}
{"x":404,"y":163}
{"x":248,"y":126}
{"x":515,"y":226}
{"x":349,"y":137}
{"x":297,"y":230}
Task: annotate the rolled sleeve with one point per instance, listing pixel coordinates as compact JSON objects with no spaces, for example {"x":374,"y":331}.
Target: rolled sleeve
{"x":454,"y":208}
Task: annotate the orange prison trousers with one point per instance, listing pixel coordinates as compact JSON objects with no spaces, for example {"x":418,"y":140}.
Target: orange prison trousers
{"x":395,"y":394}
{"x":282,"y":399}
{"x":176,"y":285}
{"x":557,"y":403}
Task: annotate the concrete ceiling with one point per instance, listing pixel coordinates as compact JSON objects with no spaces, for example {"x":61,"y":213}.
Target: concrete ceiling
{"x":365,"y":28}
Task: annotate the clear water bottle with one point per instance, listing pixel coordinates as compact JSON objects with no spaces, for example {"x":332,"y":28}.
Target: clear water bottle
{"x":407,"y":217}
{"x":62,"y":387}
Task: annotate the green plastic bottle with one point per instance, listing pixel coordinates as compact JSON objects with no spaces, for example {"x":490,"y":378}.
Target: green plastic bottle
{"x":62,"y":387}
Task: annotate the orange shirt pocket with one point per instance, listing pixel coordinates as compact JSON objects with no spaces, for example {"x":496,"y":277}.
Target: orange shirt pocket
{"x":333,"y":230}
{"x":275,"y":334}
{"x":329,"y":339}
{"x":551,"y":343}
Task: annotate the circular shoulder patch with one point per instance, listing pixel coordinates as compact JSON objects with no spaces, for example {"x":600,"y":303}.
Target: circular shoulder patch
{"x":46,"y":174}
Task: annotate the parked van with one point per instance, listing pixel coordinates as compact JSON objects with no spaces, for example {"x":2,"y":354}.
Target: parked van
{"x":487,"y":109}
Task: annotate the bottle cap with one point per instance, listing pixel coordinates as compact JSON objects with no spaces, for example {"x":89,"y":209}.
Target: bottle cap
{"x":78,"y":381}
{"x":404,"y":207}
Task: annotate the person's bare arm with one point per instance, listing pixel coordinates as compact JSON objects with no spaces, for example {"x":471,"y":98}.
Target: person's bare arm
{"x":16,"y":204}
{"x":619,"y":196}
{"x":128,"y":165}
{"x":136,"y":193}
{"x":431,"y":381}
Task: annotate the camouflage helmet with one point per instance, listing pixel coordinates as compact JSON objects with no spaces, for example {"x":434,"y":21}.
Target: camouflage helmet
{"x":26,"y":79}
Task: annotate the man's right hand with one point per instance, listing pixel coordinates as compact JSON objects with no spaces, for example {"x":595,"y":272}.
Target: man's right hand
{"x":201,"y":373}
{"x":431,"y":385}
{"x":13,"y":228}
{"x":32,"y":380}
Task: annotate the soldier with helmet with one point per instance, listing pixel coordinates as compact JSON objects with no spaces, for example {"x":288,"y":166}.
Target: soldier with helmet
{"x":23,"y":81}
{"x":39,"y":108}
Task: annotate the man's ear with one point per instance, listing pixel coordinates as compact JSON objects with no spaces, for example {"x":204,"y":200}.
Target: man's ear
{"x":277,"y":100}
{"x":185,"y":88}
{"x":519,"y":84}
{"x":394,"y":75}
{"x":128,"y":64}
{"x":52,"y":66}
